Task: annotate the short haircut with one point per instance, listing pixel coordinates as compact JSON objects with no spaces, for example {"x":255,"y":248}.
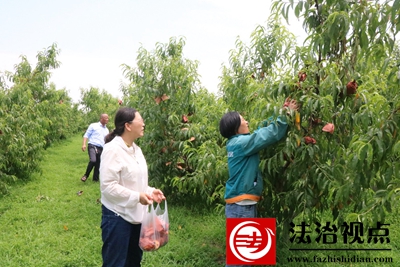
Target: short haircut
{"x":229,"y":124}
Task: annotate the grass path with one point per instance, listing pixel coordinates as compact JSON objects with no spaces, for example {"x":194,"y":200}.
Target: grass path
{"x":44,"y":222}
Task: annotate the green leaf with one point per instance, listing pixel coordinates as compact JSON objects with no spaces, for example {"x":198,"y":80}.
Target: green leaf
{"x":363,"y":39}
{"x":379,"y":153}
{"x":354,"y":162}
{"x":395,"y":10}
{"x":396,"y":148}
{"x":385,"y":64}
{"x":299,"y":196}
{"x":381,"y":193}
{"x":298,"y":8}
{"x":352,"y":217}
{"x":370,"y":153}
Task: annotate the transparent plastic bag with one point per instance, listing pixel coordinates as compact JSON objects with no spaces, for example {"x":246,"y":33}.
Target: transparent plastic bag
{"x":155,"y":228}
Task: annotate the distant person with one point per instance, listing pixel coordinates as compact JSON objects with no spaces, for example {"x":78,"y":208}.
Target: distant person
{"x":245,"y":183}
{"x":125,"y":192}
{"x":95,"y":133}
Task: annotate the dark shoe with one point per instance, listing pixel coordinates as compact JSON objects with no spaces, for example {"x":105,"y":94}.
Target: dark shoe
{"x":84,"y":178}
{"x":96,"y":181}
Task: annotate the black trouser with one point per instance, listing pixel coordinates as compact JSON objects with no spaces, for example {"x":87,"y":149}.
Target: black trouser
{"x":94,"y":161}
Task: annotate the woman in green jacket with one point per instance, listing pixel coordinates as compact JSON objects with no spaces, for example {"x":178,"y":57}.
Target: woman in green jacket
{"x":244,"y":186}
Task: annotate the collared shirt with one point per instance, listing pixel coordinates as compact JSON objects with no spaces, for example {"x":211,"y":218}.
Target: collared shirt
{"x":123,"y":175}
{"x":96,"y":132}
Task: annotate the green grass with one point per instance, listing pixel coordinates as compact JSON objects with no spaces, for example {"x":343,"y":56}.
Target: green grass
{"x":44,"y":222}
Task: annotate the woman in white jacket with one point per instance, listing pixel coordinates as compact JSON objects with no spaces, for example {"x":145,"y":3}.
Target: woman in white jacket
{"x":125,"y":192}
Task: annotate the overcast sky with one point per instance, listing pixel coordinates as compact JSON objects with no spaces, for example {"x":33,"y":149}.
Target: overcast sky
{"x":97,"y":36}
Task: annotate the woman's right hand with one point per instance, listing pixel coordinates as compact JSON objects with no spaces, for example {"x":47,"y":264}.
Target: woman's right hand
{"x":158,"y":195}
{"x":291,"y":104}
{"x":145,"y":199}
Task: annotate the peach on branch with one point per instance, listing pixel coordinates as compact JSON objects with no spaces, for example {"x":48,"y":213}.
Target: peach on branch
{"x":309,"y":140}
{"x":329,"y":128}
{"x":164,"y":97}
{"x":351,"y":87}
{"x":302,"y":76}
{"x":185,"y":119}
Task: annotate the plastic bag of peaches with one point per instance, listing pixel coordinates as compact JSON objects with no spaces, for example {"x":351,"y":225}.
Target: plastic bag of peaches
{"x":155,"y":228}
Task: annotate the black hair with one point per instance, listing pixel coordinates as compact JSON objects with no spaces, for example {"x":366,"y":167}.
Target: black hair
{"x":123,"y":116}
{"x":229,"y":124}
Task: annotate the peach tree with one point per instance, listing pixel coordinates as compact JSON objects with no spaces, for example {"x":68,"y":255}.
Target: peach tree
{"x":95,"y":102}
{"x":33,"y":114}
{"x":182,"y":145}
{"x":342,"y":148}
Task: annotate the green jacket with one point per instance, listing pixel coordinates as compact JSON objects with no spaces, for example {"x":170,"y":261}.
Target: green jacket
{"x":245,"y":181}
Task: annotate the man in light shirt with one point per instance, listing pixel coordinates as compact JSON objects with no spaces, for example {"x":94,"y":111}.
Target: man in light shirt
{"x":95,"y":133}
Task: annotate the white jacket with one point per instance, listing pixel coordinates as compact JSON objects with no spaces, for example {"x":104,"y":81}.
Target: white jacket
{"x":123,"y":175}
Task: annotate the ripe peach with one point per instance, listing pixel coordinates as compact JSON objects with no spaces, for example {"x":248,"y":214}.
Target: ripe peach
{"x":302,"y":76}
{"x":351,"y":87}
{"x":309,"y":140}
{"x":329,"y":128}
